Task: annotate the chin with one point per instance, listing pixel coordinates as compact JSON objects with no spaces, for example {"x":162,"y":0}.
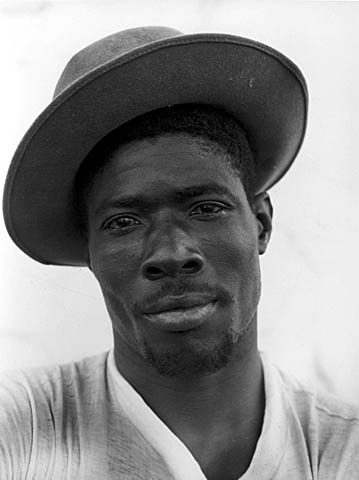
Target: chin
{"x":192,"y":359}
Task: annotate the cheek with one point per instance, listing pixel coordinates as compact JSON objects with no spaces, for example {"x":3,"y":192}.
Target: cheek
{"x":115,"y":267}
{"x":234,"y":254}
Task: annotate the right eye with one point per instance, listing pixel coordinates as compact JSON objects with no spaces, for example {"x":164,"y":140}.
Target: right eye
{"x":121,"y":223}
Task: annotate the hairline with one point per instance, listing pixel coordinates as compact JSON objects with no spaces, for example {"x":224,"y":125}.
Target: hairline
{"x":107,"y":147}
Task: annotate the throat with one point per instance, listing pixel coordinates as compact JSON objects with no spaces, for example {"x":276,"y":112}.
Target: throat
{"x":224,"y":446}
{"x":221,"y":430}
{"x":218,"y":416}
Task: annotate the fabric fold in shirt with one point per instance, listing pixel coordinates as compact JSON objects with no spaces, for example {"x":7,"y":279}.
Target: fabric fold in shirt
{"x":175,"y":454}
{"x":83,"y":420}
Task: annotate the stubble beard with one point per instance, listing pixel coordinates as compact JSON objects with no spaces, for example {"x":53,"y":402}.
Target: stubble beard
{"x":192,"y":359}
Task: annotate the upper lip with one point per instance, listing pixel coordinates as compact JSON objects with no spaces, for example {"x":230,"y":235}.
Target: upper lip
{"x":182,"y":301}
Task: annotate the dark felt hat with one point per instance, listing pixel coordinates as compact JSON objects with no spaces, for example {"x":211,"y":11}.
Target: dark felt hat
{"x":126,"y":75}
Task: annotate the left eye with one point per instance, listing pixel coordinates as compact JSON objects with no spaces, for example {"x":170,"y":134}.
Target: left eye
{"x":208,"y":209}
{"x":121,"y":223}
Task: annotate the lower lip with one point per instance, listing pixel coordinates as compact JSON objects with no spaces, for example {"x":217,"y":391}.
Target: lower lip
{"x":182,"y":319}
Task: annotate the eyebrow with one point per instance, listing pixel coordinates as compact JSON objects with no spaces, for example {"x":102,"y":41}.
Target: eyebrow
{"x":142,"y":202}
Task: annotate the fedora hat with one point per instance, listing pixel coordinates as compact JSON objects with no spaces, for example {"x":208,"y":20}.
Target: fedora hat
{"x":125,"y":75}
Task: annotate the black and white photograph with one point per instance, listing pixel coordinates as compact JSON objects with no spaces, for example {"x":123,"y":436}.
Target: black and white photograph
{"x":178,"y":240}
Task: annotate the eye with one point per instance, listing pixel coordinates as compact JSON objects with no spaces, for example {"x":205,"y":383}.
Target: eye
{"x":121,"y":223}
{"x":208,"y":209}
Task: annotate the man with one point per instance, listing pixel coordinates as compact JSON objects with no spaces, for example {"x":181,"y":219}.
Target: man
{"x":151,"y":166}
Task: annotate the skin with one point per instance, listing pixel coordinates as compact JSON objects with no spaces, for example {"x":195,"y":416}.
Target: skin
{"x":169,"y":244}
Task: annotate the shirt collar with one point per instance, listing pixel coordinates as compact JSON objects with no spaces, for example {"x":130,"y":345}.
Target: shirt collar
{"x":270,"y":446}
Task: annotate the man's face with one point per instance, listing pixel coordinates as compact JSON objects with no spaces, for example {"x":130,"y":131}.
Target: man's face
{"x":173,"y":243}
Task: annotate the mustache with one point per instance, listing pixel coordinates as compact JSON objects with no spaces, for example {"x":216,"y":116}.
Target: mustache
{"x":183,"y":288}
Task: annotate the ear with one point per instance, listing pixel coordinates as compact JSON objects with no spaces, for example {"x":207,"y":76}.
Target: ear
{"x":263,"y":211}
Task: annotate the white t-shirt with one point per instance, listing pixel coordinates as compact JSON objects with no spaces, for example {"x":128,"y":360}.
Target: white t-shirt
{"x":83,"y":421}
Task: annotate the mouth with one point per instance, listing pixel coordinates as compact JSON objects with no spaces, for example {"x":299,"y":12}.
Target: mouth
{"x":181,"y":315}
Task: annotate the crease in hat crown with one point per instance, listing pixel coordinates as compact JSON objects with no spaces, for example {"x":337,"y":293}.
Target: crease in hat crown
{"x":125,"y":75}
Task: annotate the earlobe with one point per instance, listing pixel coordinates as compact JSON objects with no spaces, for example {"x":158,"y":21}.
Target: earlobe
{"x":263,"y":210}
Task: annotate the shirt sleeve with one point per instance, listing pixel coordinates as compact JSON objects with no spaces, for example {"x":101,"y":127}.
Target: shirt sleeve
{"x":16,"y":428}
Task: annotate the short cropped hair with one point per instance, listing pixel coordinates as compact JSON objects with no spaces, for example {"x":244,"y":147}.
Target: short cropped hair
{"x":216,"y":128}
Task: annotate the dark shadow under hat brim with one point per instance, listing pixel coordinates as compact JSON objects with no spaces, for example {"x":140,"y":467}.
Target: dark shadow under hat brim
{"x":263,"y":89}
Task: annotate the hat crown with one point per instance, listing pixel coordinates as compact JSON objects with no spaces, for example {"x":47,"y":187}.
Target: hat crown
{"x":107,"y":49}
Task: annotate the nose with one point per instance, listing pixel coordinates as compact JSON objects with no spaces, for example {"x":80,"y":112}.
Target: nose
{"x":172,"y":255}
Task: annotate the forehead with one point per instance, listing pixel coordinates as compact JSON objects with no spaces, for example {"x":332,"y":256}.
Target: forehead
{"x":161,"y":163}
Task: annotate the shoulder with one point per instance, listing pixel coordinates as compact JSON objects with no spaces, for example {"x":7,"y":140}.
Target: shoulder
{"x":325,"y":425}
{"x":50,"y":383}
{"x":36,"y":403}
{"x":327,"y":412}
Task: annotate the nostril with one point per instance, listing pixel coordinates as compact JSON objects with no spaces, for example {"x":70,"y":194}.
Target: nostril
{"x":153,"y":272}
{"x":159,"y":268}
{"x":192,"y":266}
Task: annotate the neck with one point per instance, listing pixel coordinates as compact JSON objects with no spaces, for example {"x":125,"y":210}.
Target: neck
{"x":209,"y":413}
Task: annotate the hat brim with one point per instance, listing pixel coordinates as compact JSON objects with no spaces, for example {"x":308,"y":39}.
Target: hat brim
{"x":263,"y":89}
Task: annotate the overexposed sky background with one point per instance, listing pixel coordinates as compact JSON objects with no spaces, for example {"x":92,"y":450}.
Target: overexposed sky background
{"x":308,"y":317}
